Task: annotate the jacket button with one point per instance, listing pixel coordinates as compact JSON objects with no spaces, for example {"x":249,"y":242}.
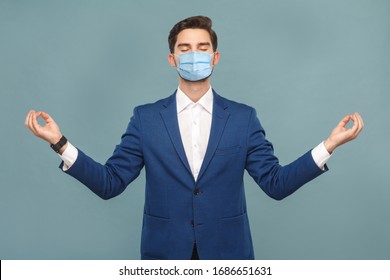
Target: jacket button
{"x":197,"y":191}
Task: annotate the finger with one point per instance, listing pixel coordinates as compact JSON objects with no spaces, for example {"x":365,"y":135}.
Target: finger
{"x":357,"y":121}
{"x":30,"y":120}
{"x":361,"y":123}
{"x":46,"y":117}
{"x":360,"y":120}
{"x":34,"y":122}
{"x":344,"y":121}
{"x":358,"y":126}
{"x":27,"y":118}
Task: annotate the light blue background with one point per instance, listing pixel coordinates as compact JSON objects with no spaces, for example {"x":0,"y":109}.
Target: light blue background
{"x":302,"y":64}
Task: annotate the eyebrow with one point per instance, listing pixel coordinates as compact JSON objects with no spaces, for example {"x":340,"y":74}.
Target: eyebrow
{"x":204,"y":44}
{"x":198,"y":45}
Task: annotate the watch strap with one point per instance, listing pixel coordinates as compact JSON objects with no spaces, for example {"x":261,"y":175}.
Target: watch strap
{"x":57,"y":147}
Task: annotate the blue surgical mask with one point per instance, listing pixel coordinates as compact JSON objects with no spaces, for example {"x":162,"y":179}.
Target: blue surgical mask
{"x":194,"y":66}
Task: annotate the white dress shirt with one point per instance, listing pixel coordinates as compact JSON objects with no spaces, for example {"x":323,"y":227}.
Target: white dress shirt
{"x":195,"y":124}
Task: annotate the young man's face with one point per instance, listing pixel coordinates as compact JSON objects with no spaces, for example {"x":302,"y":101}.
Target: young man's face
{"x":193,"y":40}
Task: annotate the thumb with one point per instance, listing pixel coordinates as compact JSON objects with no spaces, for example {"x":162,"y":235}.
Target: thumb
{"x":344,"y":121}
{"x":45,"y":116}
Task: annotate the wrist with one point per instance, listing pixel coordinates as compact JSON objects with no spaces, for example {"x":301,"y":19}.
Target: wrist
{"x":59,"y":146}
{"x":55,"y":139}
{"x":62,"y":150}
{"x":329,"y":146}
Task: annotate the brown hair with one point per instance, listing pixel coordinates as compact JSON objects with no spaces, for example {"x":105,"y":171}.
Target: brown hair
{"x":196,"y":22}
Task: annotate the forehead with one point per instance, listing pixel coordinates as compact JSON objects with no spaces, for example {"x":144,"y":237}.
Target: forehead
{"x":193,"y":37}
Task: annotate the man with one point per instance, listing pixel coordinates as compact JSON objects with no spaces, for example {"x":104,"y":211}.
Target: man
{"x":195,"y":146}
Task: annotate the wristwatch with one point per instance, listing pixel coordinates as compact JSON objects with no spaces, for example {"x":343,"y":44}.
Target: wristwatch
{"x":57,"y":147}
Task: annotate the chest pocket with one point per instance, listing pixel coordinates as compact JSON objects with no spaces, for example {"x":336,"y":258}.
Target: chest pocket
{"x":227,"y":151}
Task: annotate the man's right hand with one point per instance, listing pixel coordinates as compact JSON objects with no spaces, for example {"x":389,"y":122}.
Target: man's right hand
{"x":50,"y":132}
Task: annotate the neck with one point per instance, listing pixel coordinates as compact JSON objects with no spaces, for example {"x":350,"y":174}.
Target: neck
{"x":194,"y":90}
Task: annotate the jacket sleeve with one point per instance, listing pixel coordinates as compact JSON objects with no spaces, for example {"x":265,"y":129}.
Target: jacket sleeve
{"x":125,"y":164}
{"x":263,"y":166}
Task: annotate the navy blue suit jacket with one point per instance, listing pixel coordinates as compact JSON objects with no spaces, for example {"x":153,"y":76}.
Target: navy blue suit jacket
{"x":179,"y":210}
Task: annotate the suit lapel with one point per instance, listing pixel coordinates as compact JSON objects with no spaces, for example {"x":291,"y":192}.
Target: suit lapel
{"x":169,"y":116}
{"x":220,"y":117}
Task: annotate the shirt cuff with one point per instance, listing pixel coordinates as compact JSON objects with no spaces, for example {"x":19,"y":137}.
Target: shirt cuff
{"x":69,"y":156}
{"x":320,"y":155}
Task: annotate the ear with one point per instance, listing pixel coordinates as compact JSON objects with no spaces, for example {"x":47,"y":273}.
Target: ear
{"x":171,"y":60}
{"x":217,"y":55}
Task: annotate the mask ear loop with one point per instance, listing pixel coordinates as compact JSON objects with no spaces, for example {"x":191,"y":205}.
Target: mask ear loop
{"x":213,"y":65}
{"x":174,"y":59}
{"x":213,"y":54}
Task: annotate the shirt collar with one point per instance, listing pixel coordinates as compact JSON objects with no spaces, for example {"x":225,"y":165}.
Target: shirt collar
{"x":182,"y":101}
